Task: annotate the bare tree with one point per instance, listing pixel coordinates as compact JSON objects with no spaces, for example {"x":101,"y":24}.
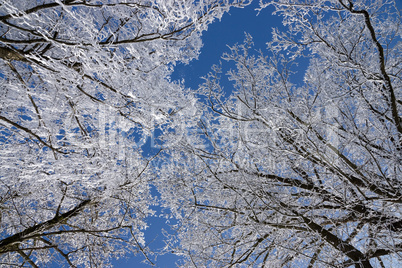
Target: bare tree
{"x":82,"y":84}
{"x":287,"y":173}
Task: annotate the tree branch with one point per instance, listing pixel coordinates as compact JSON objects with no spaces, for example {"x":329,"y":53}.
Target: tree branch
{"x":57,"y":219}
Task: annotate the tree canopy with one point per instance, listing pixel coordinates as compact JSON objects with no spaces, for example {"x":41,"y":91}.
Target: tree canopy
{"x":83,"y":83}
{"x":274,"y":172}
{"x":286,"y":173}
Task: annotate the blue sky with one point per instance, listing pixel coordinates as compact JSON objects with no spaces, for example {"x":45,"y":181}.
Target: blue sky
{"x":230,"y":30}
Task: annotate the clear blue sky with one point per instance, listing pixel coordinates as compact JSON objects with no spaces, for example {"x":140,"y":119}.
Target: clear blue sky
{"x":230,"y":30}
